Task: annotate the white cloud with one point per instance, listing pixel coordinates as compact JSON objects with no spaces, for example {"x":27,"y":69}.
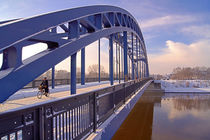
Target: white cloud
{"x":166,"y":20}
{"x":180,"y":54}
{"x":199,"y":31}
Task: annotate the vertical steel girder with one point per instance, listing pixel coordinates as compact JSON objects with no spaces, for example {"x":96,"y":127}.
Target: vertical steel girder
{"x":137,"y":70}
{"x":111,"y":60}
{"x":53,"y":77}
{"x":73,"y":73}
{"x":119,"y":62}
{"x":140,"y":70}
{"x":99,"y":61}
{"x":116,"y":62}
{"x":132,"y":56}
{"x":143,"y":69}
{"x":73,"y":33}
{"x":125,"y":44}
{"x":83,"y":66}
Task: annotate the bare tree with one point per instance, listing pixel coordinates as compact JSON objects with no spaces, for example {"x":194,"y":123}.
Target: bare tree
{"x":93,"y":71}
{"x":188,"y":73}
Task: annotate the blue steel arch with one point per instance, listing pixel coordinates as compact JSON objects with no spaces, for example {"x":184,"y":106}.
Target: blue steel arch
{"x":85,"y":25}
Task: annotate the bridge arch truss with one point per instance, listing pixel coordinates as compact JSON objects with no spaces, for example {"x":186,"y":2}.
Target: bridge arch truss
{"x":81,"y":26}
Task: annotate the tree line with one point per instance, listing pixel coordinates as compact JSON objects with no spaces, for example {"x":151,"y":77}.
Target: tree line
{"x":64,"y":74}
{"x":188,"y":73}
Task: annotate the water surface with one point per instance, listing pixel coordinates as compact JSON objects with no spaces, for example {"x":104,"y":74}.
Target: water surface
{"x":159,"y":116}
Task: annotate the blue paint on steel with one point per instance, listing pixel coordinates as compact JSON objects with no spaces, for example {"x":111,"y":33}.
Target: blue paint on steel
{"x":73,"y":73}
{"x":116,"y":62}
{"x":125,"y":46}
{"x":111,"y":59}
{"x":99,"y":61}
{"x":53,"y":77}
{"x":143,"y":69}
{"x":119,"y":63}
{"x":83,"y":66}
{"x":132,"y":56}
{"x":81,"y":30}
{"x":137,"y":63}
{"x":140,"y":71}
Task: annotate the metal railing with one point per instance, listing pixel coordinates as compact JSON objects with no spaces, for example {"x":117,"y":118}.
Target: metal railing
{"x":69,"y":118}
{"x":36,"y":83}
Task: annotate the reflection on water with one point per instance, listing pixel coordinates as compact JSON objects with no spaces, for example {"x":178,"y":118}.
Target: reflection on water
{"x":171,"y":116}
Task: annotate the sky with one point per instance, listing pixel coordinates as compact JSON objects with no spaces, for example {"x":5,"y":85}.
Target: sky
{"x":176,"y":32}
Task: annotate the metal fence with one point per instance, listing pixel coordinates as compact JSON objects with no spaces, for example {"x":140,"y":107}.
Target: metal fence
{"x":58,"y":82}
{"x":69,"y":118}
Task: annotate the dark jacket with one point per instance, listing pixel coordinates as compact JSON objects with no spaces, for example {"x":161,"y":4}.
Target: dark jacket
{"x":45,"y":83}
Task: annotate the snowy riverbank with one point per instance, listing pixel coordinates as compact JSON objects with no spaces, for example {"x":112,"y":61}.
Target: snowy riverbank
{"x":185,"y":86}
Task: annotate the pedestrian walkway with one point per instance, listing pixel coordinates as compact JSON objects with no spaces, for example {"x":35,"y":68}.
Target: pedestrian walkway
{"x":16,"y":103}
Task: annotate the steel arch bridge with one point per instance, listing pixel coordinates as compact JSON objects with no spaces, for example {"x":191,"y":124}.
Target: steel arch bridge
{"x":81,"y":26}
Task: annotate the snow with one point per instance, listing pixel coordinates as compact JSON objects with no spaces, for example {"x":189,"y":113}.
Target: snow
{"x":185,"y":86}
{"x":24,"y":93}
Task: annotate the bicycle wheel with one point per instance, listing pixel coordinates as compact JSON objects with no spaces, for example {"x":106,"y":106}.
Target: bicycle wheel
{"x":39,"y":94}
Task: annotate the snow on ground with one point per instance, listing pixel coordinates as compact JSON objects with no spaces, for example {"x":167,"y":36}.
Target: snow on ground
{"x":24,"y":93}
{"x":193,"y":86}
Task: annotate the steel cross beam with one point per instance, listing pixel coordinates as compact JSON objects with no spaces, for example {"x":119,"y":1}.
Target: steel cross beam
{"x":81,"y":27}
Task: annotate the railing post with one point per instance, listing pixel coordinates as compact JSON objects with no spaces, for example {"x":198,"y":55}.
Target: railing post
{"x":41,"y":123}
{"x":33,"y":84}
{"x":94,"y":112}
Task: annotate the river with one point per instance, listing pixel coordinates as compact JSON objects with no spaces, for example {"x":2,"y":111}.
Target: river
{"x":167,"y":116}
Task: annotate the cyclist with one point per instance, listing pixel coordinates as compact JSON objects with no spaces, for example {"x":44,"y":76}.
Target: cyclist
{"x":44,"y":85}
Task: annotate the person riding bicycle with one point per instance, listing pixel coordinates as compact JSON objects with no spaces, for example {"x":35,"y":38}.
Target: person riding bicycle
{"x":44,"y":85}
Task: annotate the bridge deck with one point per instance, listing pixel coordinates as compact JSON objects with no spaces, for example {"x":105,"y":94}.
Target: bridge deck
{"x":13,"y":104}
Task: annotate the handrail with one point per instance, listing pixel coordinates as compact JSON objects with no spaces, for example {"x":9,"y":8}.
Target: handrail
{"x":70,"y":117}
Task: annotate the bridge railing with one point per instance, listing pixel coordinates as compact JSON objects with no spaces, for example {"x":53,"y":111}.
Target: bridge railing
{"x":68,"y":118}
{"x":36,"y":83}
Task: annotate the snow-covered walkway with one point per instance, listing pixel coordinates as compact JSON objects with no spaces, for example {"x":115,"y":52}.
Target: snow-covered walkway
{"x":24,"y":93}
{"x":28,"y":96}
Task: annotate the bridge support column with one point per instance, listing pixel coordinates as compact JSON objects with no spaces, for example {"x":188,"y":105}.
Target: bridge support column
{"x":132,"y":58}
{"x":83,"y":66}
{"x":119,"y":62}
{"x":116,"y":62}
{"x":143,"y":70}
{"x":73,"y":73}
{"x":125,"y":46}
{"x":140,"y":70}
{"x":137,"y":69}
{"x":99,"y":61}
{"x":53,"y":77}
{"x":111,"y":59}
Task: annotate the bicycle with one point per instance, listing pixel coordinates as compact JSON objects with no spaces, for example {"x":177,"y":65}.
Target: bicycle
{"x":42,"y":92}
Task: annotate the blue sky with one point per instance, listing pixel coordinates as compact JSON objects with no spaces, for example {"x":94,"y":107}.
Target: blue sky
{"x":176,"y":32}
